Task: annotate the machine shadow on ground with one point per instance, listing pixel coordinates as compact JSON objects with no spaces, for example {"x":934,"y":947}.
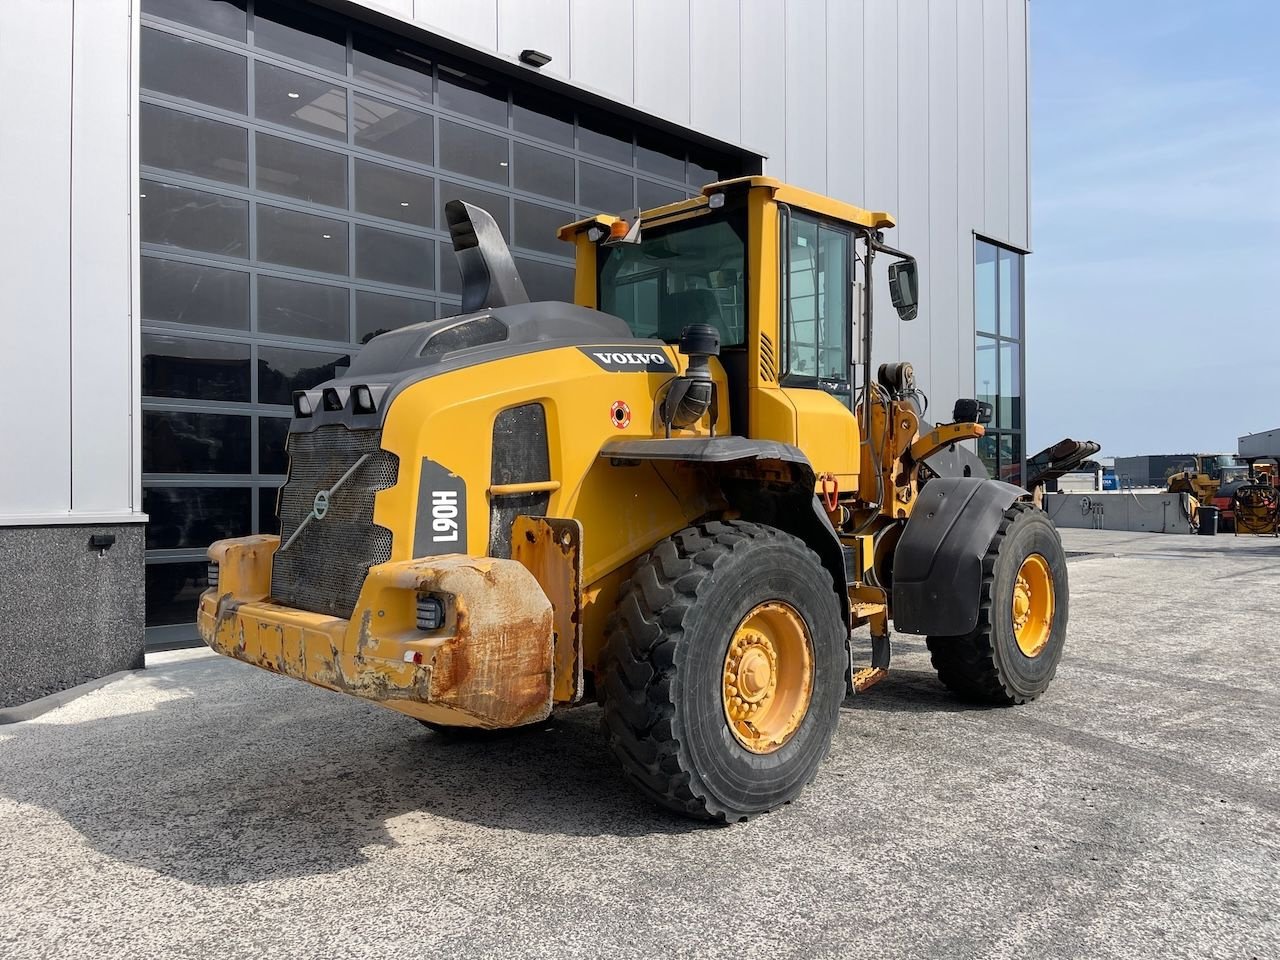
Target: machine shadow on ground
{"x":216,"y":793}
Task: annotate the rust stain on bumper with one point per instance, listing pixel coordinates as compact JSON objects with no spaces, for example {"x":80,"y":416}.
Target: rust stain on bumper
{"x":489,"y":665}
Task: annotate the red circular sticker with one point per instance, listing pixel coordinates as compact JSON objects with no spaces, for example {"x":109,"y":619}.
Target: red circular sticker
{"x":620,"y":414}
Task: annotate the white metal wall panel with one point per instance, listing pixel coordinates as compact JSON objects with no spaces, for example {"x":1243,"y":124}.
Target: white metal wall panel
{"x":1019,"y":147}
{"x":35,"y":169}
{"x":948,"y":358}
{"x":995,"y":88}
{"x":764,"y":82}
{"x":473,"y":21}
{"x":913,"y":180}
{"x":662,"y":58}
{"x":603,"y":43}
{"x":102,"y":340}
{"x":806,"y":94}
{"x":880,"y":126}
{"x":845,"y":91}
{"x":541,"y":25}
{"x":970,"y":195}
{"x":715,"y":68}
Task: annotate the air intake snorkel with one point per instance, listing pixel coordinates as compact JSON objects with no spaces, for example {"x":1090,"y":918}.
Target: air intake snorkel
{"x":489,"y":275}
{"x":690,"y":396}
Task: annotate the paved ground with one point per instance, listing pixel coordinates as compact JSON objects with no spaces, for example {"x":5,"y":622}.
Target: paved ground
{"x":206,"y":809}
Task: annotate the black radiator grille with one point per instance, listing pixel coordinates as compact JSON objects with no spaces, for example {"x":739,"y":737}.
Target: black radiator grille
{"x":324,"y":567}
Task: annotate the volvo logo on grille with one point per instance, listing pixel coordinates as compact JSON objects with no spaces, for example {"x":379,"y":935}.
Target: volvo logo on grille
{"x":320,"y":506}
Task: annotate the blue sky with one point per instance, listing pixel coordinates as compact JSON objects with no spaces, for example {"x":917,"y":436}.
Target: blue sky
{"x":1153,"y":294}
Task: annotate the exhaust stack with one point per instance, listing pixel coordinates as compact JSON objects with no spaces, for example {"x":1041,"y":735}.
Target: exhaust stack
{"x":489,"y":275}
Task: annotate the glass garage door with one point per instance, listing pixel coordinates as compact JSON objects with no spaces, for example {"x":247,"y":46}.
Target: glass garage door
{"x":293,"y":171}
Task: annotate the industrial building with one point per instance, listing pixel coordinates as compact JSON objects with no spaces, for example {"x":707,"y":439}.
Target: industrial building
{"x":216,"y":202}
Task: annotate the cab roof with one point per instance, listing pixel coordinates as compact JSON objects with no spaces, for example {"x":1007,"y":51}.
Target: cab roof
{"x":781,"y":192}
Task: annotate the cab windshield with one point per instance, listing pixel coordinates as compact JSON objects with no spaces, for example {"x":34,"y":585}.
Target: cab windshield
{"x":693,"y":271}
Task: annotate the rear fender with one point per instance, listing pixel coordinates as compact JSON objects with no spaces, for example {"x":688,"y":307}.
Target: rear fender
{"x":937,"y":565}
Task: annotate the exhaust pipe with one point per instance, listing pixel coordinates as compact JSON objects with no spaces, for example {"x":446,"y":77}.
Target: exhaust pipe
{"x":489,"y":275}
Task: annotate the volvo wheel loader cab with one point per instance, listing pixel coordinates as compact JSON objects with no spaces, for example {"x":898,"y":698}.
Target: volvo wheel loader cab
{"x":678,"y":495}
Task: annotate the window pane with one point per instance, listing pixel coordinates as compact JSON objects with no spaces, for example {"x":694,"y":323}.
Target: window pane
{"x":602,"y":190}
{"x":296,"y":308}
{"x":543,"y":118}
{"x":833,"y":304}
{"x":173,"y":591}
{"x":272,"y":434}
{"x":224,"y":17}
{"x":656,"y":195}
{"x":195,"y":442}
{"x":984,"y":289}
{"x":536,"y":228}
{"x":393,"y":130}
{"x":661,"y":158}
{"x":268,"y":516}
{"x":182,"y":217}
{"x":194,"y":516}
{"x":193,"y":71}
{"x":1011,"y":458}
{"x":302,"y":240}
{"x":299,"y":35}
{"x":190,"y":293}
{"x":395,"y":258}
{"x":379,"y":312}
{"x":395,"y":194}
{"x":299,"y":170}
{"x":473,"y":96}
{"x":543,"y":172}
{"x":173,"y":140}
{"x":688,"y":272}
{"x":545,"y":281}
{"x":986,"y":382}
{"x":185,"y":368}
{"x":281,"y":371}
{"x":400,"y":69}
{"x":802,"y":351}
{"x":989,"y":453}
{"x":1010,"y":293}
{"x":494,"y":204}
{"x":473,"y":152}
{"x":606,"y":139}
{"x":1009,"y":410}
{"x":702,"y":170}
{"x":293,"y":100}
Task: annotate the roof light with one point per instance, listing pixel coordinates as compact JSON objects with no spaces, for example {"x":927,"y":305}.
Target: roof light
{"x":331,"y":399}
{"x":595,"y":234}
{"x":301,"y":404}
{"x":618,"y":229}
{"x":715,"y":201}
{"x":535,"y":58}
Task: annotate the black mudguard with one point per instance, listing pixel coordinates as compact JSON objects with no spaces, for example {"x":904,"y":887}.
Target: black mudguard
{"x":937,"y":565}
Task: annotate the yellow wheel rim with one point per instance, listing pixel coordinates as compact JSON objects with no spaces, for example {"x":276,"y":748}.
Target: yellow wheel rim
{"x":768,"y":677}
{"x":1033,"y":605}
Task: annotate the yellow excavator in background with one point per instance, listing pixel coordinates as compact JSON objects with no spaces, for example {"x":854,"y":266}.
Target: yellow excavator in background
{"x":677,"y":496}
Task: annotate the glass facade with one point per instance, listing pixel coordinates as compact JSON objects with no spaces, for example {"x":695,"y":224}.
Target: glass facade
{"x":294,"y":166}
{"x":998,"y":299}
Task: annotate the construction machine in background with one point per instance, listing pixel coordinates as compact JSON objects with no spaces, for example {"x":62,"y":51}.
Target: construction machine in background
{"x":678,"y":496}
{"x":1211,"y":479}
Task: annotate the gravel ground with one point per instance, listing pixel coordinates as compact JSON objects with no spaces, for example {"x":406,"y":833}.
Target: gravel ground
{"x":207,"y":809}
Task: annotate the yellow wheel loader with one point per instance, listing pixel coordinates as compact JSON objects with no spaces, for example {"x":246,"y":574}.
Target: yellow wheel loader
{"x":678,"y":496}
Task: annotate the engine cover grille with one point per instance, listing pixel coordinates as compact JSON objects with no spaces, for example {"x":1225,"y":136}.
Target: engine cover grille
{"x":325,"y":566}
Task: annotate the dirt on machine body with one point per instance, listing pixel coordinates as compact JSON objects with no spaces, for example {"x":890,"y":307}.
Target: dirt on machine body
{"x":678,"y":496}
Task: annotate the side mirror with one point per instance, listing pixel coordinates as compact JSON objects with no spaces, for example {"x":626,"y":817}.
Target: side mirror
{"x":904,"y":288}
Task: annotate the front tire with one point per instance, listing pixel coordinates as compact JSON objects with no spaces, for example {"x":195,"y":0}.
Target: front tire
{"x":1012,"y":654}
{"x":724,"y":670}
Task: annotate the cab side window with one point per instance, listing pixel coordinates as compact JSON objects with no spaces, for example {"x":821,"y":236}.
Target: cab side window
{"x":817,"y":304}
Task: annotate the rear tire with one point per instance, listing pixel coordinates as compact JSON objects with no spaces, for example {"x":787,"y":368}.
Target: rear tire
{"x":989,"y":664}
{"x":682,"y":619}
